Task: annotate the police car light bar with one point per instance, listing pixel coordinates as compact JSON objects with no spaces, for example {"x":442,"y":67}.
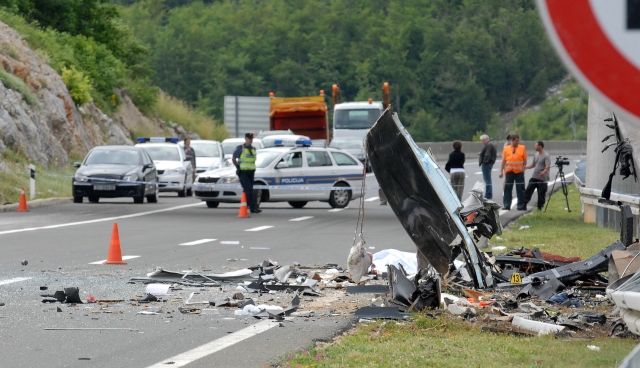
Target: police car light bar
{"x":278,"y":143}
{"x":157,"y":139}
{"x":303,"y":142}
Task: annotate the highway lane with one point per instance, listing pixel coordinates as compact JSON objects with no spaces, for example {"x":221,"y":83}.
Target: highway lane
{"x":61,"y":256}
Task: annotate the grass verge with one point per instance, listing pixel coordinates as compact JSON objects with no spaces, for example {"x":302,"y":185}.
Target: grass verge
{"x":446,"y":341}
{"x":14,"y":175}
{"x":16,"y":84}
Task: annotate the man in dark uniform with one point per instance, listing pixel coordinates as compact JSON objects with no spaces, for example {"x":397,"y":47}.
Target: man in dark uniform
{"x":244,"y":158}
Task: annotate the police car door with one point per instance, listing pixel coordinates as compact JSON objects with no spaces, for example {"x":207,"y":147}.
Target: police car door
{"x":289,"y":178}
{"x":320,"y":174}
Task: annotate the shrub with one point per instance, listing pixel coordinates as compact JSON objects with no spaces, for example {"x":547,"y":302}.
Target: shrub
{"x":78,"y":84}
{"x":12,"y":82}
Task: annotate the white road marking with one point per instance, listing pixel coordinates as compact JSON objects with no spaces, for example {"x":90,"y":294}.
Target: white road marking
{"x":124,"y":258}
{"x":197,"y":242}
{"x":214,"y":346}
{"x":337,"y":209}
{"x":260,"y":228}
{"x":372,"y":199}
{"x":15,"y":279}
{"x":301,"y":218}
{"x":104,"y":219}
{"x":478,"y":172}
{"x":230,"y":242}
{"x":259,"y":248}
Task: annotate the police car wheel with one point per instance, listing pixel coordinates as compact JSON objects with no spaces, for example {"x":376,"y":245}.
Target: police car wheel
{"x":153,"y":198}
{"x":298,"y":204}
{"x":212,"y":204}
{"x":340,"y":198}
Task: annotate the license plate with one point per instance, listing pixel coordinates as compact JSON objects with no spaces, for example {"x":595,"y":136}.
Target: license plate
{"x":104,"y":187}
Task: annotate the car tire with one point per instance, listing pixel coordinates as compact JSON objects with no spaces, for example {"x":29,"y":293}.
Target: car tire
{"x":340,"y":198}
{"x":153,"y":198}
{"x":212,"y":204}
{"x":77,"y":199}
{"x":189,"y":192}
{"x":183,"y":191}
{"x":94,"y":199}
{"x":298,"y":204}
{"x":138,"y":199}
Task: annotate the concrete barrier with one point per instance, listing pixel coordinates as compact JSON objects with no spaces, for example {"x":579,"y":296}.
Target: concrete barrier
{"x":441,"y":150}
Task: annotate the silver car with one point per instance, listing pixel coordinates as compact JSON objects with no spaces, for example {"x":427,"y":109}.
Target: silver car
{"x":175,"y":173}
{"x":283,"y":174}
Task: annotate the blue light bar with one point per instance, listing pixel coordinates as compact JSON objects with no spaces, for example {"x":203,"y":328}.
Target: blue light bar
{"x":278,"y":142}
{"x":303,"y":142}
{"x":157,"y":139}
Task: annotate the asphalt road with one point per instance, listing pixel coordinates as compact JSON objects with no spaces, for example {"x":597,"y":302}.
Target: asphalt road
{"x":61,"y":241}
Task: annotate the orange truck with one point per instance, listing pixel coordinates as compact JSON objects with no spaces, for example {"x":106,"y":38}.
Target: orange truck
{"x":302,"y":115}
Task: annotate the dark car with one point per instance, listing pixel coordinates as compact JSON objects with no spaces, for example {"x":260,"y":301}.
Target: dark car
{"x":116,"y":171}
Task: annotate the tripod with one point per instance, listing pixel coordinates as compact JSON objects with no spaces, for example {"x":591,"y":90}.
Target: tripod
{"x":565,"y":190}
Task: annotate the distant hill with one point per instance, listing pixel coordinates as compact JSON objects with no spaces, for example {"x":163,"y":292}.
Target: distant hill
{"x":454,"y":66}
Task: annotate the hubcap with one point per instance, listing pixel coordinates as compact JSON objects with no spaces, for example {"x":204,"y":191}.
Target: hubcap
{"x":341,"y":197}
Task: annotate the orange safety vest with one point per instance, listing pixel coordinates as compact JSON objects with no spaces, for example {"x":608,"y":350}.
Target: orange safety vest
{"x":514,"y":158}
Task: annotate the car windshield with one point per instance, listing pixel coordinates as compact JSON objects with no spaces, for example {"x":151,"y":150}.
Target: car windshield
{"x":113,"y":157}
{"x":206,"y":149}
{"x":229,"y":147}
{"x":264,"y":158}
{"x":163,"y":153}
{"x":346,"y":144}
{"x":355,"y":119}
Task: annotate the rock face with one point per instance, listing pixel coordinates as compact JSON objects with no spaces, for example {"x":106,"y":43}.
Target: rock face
{"x":39,"y":119}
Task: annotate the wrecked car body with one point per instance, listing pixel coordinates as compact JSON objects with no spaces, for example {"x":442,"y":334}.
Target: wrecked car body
{"x":422,"y":198}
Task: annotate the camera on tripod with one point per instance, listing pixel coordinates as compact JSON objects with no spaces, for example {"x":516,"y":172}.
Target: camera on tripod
{"x":562,"y":161}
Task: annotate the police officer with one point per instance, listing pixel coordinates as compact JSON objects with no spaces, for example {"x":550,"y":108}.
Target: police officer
{"x":244,"y":158}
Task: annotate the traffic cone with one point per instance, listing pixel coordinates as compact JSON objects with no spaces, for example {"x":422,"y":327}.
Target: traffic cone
{"x":115,"y":255}
{"x":244,"y":211}
{"x":22,"y":202}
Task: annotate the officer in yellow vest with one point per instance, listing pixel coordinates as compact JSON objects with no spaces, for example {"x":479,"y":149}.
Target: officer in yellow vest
{"x":244,"y":158}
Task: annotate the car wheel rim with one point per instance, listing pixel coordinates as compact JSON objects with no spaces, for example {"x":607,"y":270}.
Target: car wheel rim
{"x":341,"y":197}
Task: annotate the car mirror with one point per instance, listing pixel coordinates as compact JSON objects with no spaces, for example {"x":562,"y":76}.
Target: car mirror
{"x":282,"y":165}
{"x":76,"y":164}
{"x":147,"y":166}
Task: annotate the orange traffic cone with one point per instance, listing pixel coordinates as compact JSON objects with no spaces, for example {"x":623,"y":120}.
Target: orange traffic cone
{"x":22,"y":202}
{"x":115,"y":255}
{"x":244,"y":211}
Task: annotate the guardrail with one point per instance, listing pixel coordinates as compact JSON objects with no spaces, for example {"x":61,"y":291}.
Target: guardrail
{"x":605,"y":214}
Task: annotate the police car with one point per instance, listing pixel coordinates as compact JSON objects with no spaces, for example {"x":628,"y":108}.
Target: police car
{"x":175,"y":173}
{"x":289,"y":174}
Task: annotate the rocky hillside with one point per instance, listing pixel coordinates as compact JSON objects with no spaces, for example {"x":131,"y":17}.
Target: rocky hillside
{"x":38,"y":118}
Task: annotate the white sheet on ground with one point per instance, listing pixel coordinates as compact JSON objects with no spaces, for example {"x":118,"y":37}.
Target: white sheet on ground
{"x":395,"y":257}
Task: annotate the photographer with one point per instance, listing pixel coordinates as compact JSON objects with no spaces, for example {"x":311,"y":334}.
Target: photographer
{"x":541,"y":166}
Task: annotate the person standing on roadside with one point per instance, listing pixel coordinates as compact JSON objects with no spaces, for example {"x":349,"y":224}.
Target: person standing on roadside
{"x":486,"y":161}
{"x":541,"y":166}
{"x":244,"y":158}
{"x":455,"y":168}
{"x":514,"y":160}
{"x":190,"y":153}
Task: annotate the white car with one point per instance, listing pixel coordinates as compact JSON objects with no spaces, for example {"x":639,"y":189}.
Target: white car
{"x":175,"y":173}
{"x":229,"y":145}
{"x":296,"y":175}
{"x":209,"y":154}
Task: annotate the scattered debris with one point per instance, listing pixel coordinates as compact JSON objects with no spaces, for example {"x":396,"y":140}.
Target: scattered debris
{"x":90,"y":329}
{"x":24,"y":262}
{"x":69,"y":295}
{"x":380,"y":313}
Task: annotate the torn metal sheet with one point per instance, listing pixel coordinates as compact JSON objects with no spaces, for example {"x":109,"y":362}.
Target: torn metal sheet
{"x":381,"y":313}
{"x":368,"y":289}
{"x":625,"y":293}
{"x":264,"y":287}
{"x":190,"y":277}
{"x":422,"y":198}
{"x":418,"y":294}
{"x":574,"y":271}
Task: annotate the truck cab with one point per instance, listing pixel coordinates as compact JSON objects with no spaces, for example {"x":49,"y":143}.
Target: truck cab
{"x":354,"y":119}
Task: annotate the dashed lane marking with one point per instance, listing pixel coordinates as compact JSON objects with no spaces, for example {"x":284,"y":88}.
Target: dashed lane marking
{"x":337,"y":209}
{"x":372,"y":199}
{"x":303,"y":218}
{"x":214,"y":346}
{"x":197,"y":242}
{"x":15,"y":279}
{"x":260,"y":228}
{"x":104,"y":219}
{"x":230,"y":242}
{"x":124,"y":258}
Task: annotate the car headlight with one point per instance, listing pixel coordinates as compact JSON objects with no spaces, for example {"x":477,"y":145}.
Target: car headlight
{"x":229,"y":180}
{"x":180,"y":170}
{"x":81,"y":178}
{"x":130,"y":177}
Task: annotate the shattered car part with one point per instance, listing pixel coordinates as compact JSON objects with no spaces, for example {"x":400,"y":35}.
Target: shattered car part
{"x":380,"y":313}
{"x":541,"y":328}
{"x":422,"y":198}
{"x":191,"y":278}
{"x":574,"y":271}
{"x":625,"y":293}
{"x":418,"y":294}
{"x":368,"y":289}
{"x":543,"y":289}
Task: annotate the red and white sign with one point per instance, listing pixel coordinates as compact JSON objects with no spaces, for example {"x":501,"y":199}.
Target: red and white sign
{"x":599,"y":41}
